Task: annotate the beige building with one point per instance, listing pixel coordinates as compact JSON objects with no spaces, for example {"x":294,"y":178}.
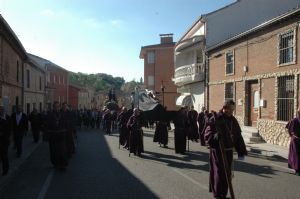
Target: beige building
{"x":34,"y":86}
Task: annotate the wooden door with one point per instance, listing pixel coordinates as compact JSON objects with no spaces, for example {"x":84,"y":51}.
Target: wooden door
{"x":253,"y":105}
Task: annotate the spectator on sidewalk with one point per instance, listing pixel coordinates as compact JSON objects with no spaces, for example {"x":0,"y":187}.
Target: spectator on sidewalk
{"x":5,"y":131}
{"x":20,"y":127}
{"x":294,"y":150}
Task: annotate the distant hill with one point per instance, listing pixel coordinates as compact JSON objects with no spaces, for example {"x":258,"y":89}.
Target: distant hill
{"x":99,"y":81}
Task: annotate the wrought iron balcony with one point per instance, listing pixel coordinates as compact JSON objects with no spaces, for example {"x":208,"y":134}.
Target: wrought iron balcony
{"x":188,"y":74}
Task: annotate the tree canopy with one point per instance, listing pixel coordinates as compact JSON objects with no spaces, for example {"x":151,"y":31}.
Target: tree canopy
{"x":99,"y":81}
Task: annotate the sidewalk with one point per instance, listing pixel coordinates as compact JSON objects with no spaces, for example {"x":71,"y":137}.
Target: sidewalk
{"x":262,"y":149}
{"x":14,"y":163}
{"x":268,"y":150}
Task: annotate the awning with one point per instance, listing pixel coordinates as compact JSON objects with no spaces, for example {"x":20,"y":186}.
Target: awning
{"x":184,"y":100}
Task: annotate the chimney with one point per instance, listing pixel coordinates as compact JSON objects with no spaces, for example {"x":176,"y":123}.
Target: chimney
{"x":166,"y":38}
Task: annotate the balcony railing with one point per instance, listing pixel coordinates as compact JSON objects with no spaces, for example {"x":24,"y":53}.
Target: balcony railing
{"x":189,"y":74}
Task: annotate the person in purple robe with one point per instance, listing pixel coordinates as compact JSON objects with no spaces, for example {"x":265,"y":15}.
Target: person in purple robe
{"x":161,"y":130}
{"x":122,"y":119}
{"x":55,"y":127}
{"x":181,"y":129}
{"x":294,"y":150}
{"x":135,"y":124}
{"x":107,"y":117}
{"x":223,"y":133}
{"x":202,"y":120}
{"x":193,"y":127}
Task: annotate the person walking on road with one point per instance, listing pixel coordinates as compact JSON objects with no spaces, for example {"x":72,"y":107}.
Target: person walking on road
{"x":294,"y":150}
{"x":5,"y":131}
{"x":20,"y":127}
{"x":56,"y":130}
{"x":135,"y":124}
{"x":181,"y":129}
{"x":35,"y":123}
{"x":222,"y":135}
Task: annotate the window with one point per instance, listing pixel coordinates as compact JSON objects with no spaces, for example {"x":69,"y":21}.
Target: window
{"x":229,"y":63}
{"x":54,"y":79}
{"x":40,"y":83}
{"x":18,"y":70}
{"x":150,"y":80}
{"x":48,"y":77}
{"x":58,"y":79}
{"x":151,"y":57}
{"x":41,"y":107}
{"x":28,"y":78}
{"x":229,"y":91}
{"x":63,"y":80}
{"x":27,"y":108}
{"x":287,"y":47}
{"x":256,"y":99}
{"x":285,"y":99}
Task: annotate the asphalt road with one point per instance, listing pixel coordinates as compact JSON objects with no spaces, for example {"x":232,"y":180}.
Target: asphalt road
{"x":99,"y":169}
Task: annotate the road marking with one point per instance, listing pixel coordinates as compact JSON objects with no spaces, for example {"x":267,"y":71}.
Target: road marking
{"x":190,"y":179}
{"x":46,"y":185}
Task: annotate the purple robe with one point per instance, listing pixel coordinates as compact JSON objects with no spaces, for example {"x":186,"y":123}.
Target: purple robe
{"x":134,"y":124}
{"x":161,"y":133}
{"x":294,"y":149}
{"x":181,"y":128}
{"x":193,"y":128}
{"x":123,"y":118}
{"x":231,"y":137}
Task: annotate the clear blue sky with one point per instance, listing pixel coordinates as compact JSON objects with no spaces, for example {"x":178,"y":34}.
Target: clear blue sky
{"x":100,"y":36}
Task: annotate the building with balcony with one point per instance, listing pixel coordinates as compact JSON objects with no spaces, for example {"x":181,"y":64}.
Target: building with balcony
{"x":189,"y":74}
{"x":159,"y":70}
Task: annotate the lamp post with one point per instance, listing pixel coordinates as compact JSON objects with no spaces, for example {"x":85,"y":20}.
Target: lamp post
{"x":137,"y":90}
{"x":162,"y":88}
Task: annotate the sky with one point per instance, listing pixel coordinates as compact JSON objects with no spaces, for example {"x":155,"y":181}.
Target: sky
{"x":100,"y":36}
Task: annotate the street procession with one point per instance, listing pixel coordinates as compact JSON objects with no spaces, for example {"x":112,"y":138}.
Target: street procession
{"x":150,"y":100}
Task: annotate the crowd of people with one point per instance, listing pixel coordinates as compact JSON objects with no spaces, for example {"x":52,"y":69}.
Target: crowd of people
{"x":218,"y":131}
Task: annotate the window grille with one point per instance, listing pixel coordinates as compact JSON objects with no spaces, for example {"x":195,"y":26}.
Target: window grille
{"x":151,"y":57}
{"x":229,"y":91}
{"x":229,"y":63}
{"x":286,"y":47}
{"x":285,"y":99}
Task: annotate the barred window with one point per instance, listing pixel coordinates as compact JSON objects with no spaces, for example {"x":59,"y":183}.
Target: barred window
{"x":285,"y":100}
{"x":286,"y":47}
{"x":151,"y":57}
{"x":229,"y":63}
{"x":229,"y":91}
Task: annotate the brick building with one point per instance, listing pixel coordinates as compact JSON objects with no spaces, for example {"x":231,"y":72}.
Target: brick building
{"x":12,"y":57}
{"x":258,"y":68}
{"x":159,"y":70}
{"x":57,"y":81}
{"x":73,"y":96}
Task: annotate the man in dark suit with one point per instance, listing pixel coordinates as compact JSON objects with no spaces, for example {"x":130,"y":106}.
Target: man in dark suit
{"x":20,"y":127}
{"x":5,"y":130}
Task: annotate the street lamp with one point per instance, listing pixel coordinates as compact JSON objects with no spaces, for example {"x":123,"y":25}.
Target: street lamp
{"x":137,"y":90}
{"x":162,"y":88}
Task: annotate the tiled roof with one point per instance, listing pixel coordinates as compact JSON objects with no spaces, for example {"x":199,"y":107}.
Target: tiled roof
{"x":242,"y":16}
